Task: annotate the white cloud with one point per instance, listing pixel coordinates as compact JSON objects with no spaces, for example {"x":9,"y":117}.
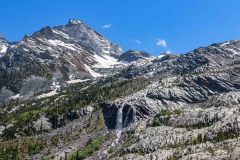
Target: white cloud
{"x":137,"y":41}
{"x":168,"y":52}
{"x":161,"y":43}
{"x":107,"y":26}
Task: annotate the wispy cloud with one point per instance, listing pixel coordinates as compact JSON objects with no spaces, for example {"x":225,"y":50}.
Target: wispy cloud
{"x":107,"y":26}
{"x":161,"y":42}
{"x":168,"y":52}
{"x":137,"y":41}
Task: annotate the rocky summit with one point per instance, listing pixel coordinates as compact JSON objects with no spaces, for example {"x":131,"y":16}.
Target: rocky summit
{"x":69,"y":93}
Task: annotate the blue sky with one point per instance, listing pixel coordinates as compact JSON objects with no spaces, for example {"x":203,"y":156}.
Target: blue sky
{"x":151,"y":25}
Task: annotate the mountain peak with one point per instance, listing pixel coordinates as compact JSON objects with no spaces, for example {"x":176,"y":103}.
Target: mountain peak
{"x":74,"y":22}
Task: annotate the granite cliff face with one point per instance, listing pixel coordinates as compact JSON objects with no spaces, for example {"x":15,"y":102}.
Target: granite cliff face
{"x":75,"y":95}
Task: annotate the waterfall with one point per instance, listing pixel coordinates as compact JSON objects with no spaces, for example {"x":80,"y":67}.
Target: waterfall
{"x":118,"y":126}
{"x":133,"y":116}
{"x":119,"y":120}
{"x":119,"y":123}
{"x":125,"y":121}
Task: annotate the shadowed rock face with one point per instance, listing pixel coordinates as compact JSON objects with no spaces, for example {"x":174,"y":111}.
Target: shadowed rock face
{"x":131,"y":56}
{"x":110,"y":115}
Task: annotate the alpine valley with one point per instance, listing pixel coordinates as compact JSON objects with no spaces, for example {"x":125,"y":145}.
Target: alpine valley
{"x":67,"y":92}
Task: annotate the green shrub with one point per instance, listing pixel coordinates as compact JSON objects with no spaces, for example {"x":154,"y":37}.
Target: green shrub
{"x":91,"y":147}
{"x":158,"y":119}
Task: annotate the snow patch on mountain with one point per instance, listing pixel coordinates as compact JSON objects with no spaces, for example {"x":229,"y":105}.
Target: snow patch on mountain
{"x":15,"y":96}
{"x":93,"y":73}
{"x":4,"y":49}
{"x":55,"y":88}
{"x":230,"y":46}
{"x":224,"y":44}
{"x":61,"y":33}
{"x":72,"y":80}
{"x":233,"y":51}
{"x":160,"y":56}
{"x":75,"y":21}
{"x":105,"y":61}
{"x":77,"y":81}
{"x":3,"y":46}
{"x":61,"y":43}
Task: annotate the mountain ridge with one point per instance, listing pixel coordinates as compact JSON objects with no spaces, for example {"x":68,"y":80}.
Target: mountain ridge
{"x":167,"y":107}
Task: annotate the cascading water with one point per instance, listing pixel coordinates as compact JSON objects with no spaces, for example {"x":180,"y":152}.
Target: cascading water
{"x":134,"y":114}
{"x":119,"y":121}
{"x":127,"y":116}
{"x":126,"y":119}
{"x":119,"y":126}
